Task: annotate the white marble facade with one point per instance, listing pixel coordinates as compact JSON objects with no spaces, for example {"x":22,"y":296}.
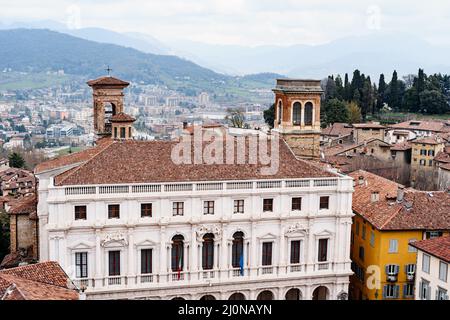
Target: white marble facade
{"x":62,"y":237}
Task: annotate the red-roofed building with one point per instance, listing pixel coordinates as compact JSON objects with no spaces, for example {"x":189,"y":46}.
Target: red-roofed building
{"x":433,"y":272}
{"x":41,"y":281}
{"x":190,"y":219}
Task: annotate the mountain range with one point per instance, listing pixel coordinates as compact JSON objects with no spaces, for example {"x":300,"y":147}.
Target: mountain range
{"x":373,"y":54}
{"x":39,"y":50}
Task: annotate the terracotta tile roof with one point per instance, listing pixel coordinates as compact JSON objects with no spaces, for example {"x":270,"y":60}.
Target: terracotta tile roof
{"x":73,"y":158}
{"x":122,"y":117}
{"x":442,"y":157}
{"x":438,"y":247}
{"x":24,"y":205}
{"x":41,"y":281}
{"x":338,"y":129}
{"x":419,"y":210}
{"x":23,"y":289}
{"x":342,"y":148}
{"x":107,"y":81}
{"x":436,"y":126}
{"x":429,"y":140}
{"x":368,"y":125}
{"x":445,"y":166}
{"x":403,"y":146}
{"x":150,"y":161}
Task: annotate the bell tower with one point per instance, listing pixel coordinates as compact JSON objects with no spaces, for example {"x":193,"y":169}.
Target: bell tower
{"x":297,"y":115}
{"x":108,"y":102}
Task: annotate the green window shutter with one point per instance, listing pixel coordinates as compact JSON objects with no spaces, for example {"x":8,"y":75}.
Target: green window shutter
{"x":384,"y":291}
{"x":396,"y":291}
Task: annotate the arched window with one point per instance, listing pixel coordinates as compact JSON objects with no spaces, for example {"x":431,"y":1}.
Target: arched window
{"x":177,"y":253}
{"x":280,"y":112}
{"x":308,"y":114}
{"x":208,"y":251}
{"x":320,"y":293}
{"x":296,"y":114}
{"x":237,"y":296}
{"x":208,"y":297}
{"x":237,"y":249}
{"x":265,"y":295}
{"x":110,"y":110}
{"x":293,"y":294}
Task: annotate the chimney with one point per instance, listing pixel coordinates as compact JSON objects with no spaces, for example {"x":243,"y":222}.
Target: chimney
{"x":375,"y":196}
{"x":400,"y":193}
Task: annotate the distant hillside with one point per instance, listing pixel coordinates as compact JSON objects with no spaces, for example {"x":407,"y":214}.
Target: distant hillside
{"x":39,"y":50}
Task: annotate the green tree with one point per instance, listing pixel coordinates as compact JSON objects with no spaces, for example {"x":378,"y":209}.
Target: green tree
{"x":235,"y":117}
{"x":347,"y":89}
{"x":269,"y":116}
{"x":354,"y":112}
{"x":16,"y":160}
{"x":433,"y":102}
{"x":335,"y":111}
{"x":381,"y":94}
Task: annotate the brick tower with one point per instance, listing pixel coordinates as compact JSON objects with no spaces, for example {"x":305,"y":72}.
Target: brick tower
{"x":108,"y":102}
{"x":297,"y":115}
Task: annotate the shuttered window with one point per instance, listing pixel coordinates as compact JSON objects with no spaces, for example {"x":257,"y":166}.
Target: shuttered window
{"x":81,"y":264}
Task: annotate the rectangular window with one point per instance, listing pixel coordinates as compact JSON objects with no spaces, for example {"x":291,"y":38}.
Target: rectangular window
{"x":122,"y":133}
{"x":363,"y":235}
{"x":393,"y":246}
{"x":410,"y":247}
{"x":431,"y":153}
{"x":443,"y":270}
{"x":113,"y":211}
{"x":372,"y":239}
{"x":208,"y":207}
{"x":323,"y":250}
{"x":391,"y":291}
{"x":426,"y":263}
{"x":423,"y":162}
{"x":324,"y":203}
{"x":178,"y":208}
{"x":80,"y":213}
{"x":267,"y":254}
{"x":433,"y":234}
{"x":114,"y":263}
{"x":295,"y":251}
{"x":146,"y":210}
{"x":81,"y":265}
{"x":392,"y":269}
{"x":425,"y":290}
{"x":146,"y":261}
{"x":410,"y":269}
{"x":441,"y":294}
{"x":361,"y":253}
{"x":296,"y":204}
{"x":268,"y":205}
{"x":408,"y":290}
{"x":357,"y":228}
{"x":430,"y":163}
{"x":423,"y":152}
{"x":238,"y":206}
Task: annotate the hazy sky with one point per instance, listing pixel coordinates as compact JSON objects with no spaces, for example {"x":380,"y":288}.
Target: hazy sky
{"x":244,"y":22}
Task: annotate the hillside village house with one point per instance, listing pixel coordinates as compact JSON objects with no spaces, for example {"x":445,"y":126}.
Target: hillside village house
{"x":388,"y":219}
{"x":126,"y":222}
{"x":408,"y":130}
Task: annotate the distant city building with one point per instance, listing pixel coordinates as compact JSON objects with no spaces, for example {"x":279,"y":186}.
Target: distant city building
{"x":203,"y":99}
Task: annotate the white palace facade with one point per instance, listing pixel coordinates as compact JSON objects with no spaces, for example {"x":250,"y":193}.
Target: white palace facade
{"x":125,"y":222}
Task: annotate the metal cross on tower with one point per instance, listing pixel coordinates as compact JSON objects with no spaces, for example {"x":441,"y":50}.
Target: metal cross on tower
{"x":108,"y":70}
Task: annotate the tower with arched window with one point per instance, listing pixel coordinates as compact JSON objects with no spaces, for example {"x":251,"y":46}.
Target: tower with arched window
{"x":108,"y":102}
{"x":297,"y":115}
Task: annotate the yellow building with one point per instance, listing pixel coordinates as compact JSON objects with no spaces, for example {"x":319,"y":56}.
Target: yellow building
{"x":423,"y":167}
{"x":387,"y":218}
